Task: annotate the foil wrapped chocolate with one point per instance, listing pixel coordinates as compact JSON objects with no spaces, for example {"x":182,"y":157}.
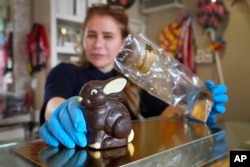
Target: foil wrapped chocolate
{"x":108,"y":120}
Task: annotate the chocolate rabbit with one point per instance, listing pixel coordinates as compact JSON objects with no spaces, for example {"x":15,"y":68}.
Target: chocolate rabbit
{"x":108,"y":120}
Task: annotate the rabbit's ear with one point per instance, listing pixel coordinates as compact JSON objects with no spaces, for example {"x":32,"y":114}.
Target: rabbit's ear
{"x":114,"y":86}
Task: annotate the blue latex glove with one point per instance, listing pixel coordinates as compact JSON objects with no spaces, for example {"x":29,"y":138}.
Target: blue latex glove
{"x":220,"y":97}
{"x":66,"y":125}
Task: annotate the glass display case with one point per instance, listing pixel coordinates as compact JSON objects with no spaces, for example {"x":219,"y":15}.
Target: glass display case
{"x":158,"y":142}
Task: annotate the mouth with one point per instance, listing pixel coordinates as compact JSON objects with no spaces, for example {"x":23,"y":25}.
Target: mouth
{"x":97,"y":55}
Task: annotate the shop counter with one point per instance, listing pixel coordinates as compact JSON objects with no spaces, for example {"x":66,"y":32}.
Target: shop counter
{"x":158,"y":142}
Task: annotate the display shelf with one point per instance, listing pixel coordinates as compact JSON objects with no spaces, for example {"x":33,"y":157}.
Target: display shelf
{"x":8,"y":93}
{"x":61,"y":15}
{"x":149,"y":6}
{"x":15,"y":127}
{"x":74,"y":58}
{"x":70,"y":18}
{"x":64,"y":44}
{"x":13,"y":132}
{"x":65,"y":50}
{"x":18,"y":119}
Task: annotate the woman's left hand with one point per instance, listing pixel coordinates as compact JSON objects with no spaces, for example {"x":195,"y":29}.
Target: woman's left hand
{"x":220,"y":97}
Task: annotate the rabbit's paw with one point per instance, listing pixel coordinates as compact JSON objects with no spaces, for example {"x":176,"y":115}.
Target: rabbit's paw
{"x":131,"y":136}
{"x":95,"y":145}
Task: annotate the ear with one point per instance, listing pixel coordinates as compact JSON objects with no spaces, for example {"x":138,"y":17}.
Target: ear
{"x":114,"y":86}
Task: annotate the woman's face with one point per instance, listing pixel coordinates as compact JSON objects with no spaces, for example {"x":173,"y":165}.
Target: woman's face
{"x":102,"y":41}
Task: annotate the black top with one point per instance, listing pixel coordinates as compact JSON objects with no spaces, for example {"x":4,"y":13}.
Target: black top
{"x":66,"y":80}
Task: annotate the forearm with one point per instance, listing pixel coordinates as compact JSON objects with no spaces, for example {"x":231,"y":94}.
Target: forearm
{"x":52,"y":104}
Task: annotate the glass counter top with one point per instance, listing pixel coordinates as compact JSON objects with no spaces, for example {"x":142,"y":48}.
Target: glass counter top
{"x":158,"y":142}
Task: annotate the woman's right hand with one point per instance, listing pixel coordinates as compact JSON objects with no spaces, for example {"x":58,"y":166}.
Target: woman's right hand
{"x":66,"y":125}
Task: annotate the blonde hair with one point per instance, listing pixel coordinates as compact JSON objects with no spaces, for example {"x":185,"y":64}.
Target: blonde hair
{"x":131,"y":90}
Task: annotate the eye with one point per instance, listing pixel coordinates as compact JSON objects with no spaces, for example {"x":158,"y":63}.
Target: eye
{"x":90,"y":36}
{"x":93,"y":92}
{"x":108,"y":37}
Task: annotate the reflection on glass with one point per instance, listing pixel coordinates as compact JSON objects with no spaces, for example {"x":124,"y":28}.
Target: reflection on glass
{"x":57,"y":157}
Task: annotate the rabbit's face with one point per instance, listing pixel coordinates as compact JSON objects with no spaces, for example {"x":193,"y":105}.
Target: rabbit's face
{"x":92,"y":94}
{"x":96,"y":93}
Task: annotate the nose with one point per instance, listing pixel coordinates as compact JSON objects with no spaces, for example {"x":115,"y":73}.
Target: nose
{"x":98,"y":42}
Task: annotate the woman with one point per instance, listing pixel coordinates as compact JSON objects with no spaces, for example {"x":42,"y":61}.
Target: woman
{"x":105,"y":29}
